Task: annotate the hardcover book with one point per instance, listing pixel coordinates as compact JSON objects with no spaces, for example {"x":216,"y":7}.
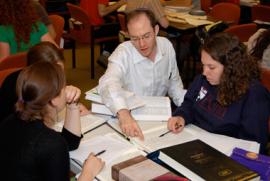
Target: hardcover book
{"x":198,"y":161}
{"x":141,"y":168}
{"x":144,"y":108}
{"x":256,"y":162}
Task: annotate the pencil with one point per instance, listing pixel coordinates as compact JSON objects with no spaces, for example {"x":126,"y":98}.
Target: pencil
{"x":99,"y":153}
{"x":177,"y":126}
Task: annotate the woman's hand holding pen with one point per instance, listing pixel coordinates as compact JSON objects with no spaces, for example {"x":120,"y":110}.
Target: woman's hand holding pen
{"x":91,"y":167}
{"x":176,"y":124}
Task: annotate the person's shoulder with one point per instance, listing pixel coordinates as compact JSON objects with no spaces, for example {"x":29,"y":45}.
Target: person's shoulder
{"x":163,"y":41}
{"x":126,"y":44}
{"x":124,"y":47}
{"x":48,"y":143}
{"x":257,"y":90}
{"x":48,"y":133}
{"x":200,"y":80}
{"x":5,"y":29}
{"x":51,"y":139}
{"x":11,"y":79}
{"x":40,"y":24}
{"x":124,"y":54}
{"x":8,"y":121}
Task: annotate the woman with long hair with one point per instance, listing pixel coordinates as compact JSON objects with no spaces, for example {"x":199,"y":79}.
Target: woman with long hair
{"x":228,"y":97}
{"x":43,"y":51}
{"x":20,"y":27}
{"x":31,"y":149}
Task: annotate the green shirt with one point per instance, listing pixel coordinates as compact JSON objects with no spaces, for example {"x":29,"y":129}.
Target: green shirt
{"x":7,"y":35}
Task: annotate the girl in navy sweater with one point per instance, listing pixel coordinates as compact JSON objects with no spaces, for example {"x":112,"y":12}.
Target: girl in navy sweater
{"x":227,"y":98}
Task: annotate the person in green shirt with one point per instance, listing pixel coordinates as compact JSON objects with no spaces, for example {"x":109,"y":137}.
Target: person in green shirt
{"x":20,"y":27}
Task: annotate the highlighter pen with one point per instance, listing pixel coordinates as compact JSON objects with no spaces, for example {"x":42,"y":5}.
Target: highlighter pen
{"x":99,"y":153}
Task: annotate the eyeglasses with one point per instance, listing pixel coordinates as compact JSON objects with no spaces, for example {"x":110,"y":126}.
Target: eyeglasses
{"x":146,"y":36}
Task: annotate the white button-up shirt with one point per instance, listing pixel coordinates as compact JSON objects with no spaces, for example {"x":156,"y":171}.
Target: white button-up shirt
{"x":128,"y":70}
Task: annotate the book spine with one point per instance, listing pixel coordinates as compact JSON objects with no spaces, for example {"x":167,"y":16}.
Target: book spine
{"x":117,"y":168}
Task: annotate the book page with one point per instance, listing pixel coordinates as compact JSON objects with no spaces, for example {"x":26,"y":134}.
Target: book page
{"x":106,"y":173}
{"x":154,"y":141}
{"x":197,"y":22}
{"x":155,"y":109}
{"x":90,"y":121}
{"x":117,"y":150}
{"x":156,"y":101}
{"x":87,"y":122}
{"x":132,"y":100}
{"x":93,"y":95}
{"x":100,"y":109}
{"x":145,"y":108}
{"x":224,"y":144}
{"x":113,"y":147}
{"x":144,"y":125}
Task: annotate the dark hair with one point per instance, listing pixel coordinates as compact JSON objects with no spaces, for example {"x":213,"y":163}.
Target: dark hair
{"x":137,"y":12}
{"x":21,"y":16}
{"x":262,"y":42}
{"x":239,"y":68}
{"x":44,"y":51}
{"x":37,"y":85}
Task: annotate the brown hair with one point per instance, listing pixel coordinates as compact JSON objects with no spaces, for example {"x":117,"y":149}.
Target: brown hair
{"x":239,"y":68}
{"x":137,"y":12}
{"x":21,"y":16}
{"x":44,"y":51}
{"x":262,"y":42}
{"x":37,"y":85}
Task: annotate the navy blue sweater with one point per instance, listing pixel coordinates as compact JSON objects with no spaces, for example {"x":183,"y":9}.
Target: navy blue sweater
{"x":30,"y":151}
{"x":246,"y":118}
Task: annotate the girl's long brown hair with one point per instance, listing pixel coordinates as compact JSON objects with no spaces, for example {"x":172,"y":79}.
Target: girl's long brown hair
{"x":21,"y":16}
{"x":239,"y":68}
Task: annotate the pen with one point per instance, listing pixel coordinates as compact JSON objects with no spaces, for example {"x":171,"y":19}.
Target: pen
{"x":125,"y":136}
{"x":177,"y":126}
{"x":170,"y":75}
{"x":99,"y":153}
{"x":94,"y":128}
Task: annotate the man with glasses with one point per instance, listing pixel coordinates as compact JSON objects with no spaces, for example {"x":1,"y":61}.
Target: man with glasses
{"x":145,"y":65}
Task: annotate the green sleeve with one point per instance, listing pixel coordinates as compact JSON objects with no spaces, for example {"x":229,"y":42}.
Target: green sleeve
{"x":42,"y":28}
{"x":3,"y":34}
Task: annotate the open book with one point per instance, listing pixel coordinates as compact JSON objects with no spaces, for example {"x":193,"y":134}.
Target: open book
{"x":132,"y":100}
{"x":154,"y":141}
{"x":88,"y":122}
{"x":112,"y":145}
{"x":154,"y":109}
{"x":115,"y":149}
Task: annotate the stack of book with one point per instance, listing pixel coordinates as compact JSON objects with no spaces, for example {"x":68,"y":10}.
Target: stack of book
{"x":143,"y":169}
{"x":143,"y":108}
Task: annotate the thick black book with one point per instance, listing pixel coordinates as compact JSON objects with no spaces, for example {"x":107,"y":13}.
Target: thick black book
{"x":198,"y":161}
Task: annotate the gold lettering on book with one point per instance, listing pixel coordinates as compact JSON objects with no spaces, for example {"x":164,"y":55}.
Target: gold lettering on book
{"x":201,"y":158}
{"x":224,"y":172}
